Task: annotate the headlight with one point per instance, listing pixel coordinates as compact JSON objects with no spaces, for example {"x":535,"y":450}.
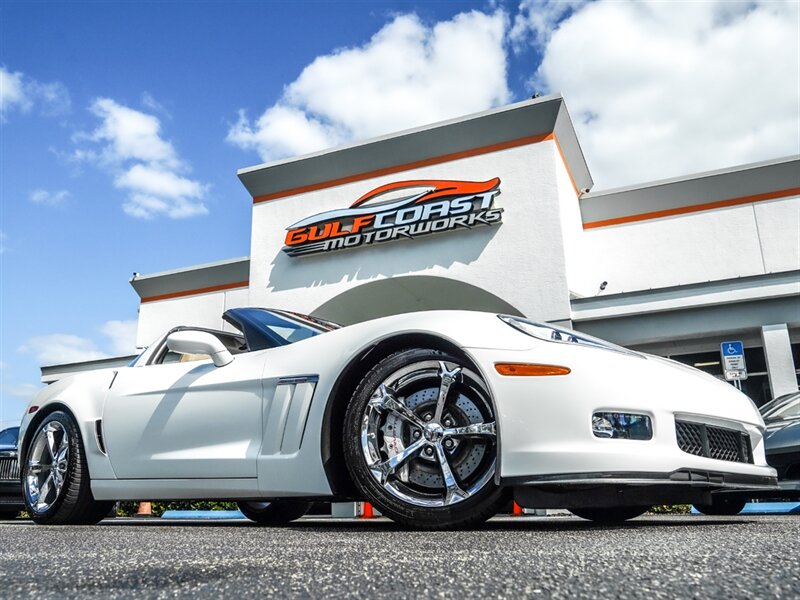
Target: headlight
{"x":553,"y":333}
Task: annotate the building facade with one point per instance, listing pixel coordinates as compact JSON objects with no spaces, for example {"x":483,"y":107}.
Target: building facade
{"x":495,"y":212}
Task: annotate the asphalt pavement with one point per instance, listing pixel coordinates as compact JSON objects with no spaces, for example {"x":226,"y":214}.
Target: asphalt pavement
{"x":514,"y":557}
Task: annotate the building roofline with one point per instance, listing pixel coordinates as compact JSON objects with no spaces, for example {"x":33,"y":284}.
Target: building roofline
{"x":724,"y":188}
{"x":395,"y":134}
{"x":52,"y":373}
{"x":517,"y":124}
{"x":692,"y":176}
{"x":210,"y":277}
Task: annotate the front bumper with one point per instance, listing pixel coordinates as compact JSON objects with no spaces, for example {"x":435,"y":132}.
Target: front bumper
{"x":545,"y":426}
{"x":578,"y":490}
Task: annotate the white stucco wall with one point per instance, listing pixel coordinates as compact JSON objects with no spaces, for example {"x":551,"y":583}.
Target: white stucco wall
{"x":202,"y":310}
{"x":779,"y":233}
{"x":750,"y":239}
{"x":521,"y":261}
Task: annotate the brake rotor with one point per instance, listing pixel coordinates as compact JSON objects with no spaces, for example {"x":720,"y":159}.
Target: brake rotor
{"x":465,"y":456}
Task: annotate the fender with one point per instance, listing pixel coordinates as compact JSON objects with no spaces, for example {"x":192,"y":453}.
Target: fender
{"x":80,"y":396}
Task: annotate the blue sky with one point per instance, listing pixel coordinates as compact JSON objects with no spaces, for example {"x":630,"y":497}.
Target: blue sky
{"x":122,"y":124}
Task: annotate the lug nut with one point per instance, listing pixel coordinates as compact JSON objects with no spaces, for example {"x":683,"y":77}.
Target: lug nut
{"x":428,"y":451}
{"x":448,"y":422}
{"x":428,"y":417}
{"x":448,"y":444}
{"x":417,"y":434}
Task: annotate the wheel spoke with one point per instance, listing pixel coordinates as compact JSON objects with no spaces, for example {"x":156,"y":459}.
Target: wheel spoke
{"x":63,"y":448}
{"x":34,"y":468}
{"x":454,"y":493}
{"x":386,"y":400}
{"x":387,"y":467}
{"x":476,"y":429}
{"x":44,"y":490}
{"x":58,"y":481}
{"x":448,"y":378}
{"x":51,"y":443}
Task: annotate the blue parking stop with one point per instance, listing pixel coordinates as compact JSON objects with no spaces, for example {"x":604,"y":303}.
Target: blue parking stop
{"x":766,"y":508}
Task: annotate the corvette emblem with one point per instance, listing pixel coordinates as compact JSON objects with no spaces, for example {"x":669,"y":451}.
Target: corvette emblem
{"x":400,"y":210}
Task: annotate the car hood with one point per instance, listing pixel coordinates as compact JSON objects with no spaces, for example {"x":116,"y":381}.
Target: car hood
{"x":782,"y":436}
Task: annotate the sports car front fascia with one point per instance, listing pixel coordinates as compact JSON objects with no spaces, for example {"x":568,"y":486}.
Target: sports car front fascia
{"x":547,"y":449}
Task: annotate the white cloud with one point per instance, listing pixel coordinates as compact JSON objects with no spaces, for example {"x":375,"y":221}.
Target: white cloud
{"x":23,"y":390}
{"x":59,"y":348}
{"x":148,"y":101}
{"x":131,"y":135}
{"x":665,"y":89}
{"x":142,"y":162}
{"x":122,"y":335}
{"x":63,"y":348}
{"x":12,"y":92}
{"x":157,"y":181}
{"x":537,"y":19}
{"x":45,"y":197}
{"x":52,"y":98}
{"x":23,"y":93}
{"x":407,"y":75}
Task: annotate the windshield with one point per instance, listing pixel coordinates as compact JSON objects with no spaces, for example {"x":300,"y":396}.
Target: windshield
{"x":264,"y":328}
{"x":8,"y":437}
{"x":787,"y":407}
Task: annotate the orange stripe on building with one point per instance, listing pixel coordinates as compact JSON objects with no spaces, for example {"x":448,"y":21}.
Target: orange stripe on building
{"x":682,"y":210}
{"x":213,"y":288}
{"x":408,"y":166}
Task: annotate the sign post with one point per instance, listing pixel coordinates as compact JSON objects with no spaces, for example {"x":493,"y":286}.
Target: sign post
{"x":733,"y":364}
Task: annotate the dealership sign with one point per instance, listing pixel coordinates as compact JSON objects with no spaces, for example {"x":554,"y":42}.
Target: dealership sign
{"x":400,"y":210}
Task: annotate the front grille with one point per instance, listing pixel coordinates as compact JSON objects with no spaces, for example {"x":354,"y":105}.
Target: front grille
{"x":9,"y":469}
{"x":714,"y":442}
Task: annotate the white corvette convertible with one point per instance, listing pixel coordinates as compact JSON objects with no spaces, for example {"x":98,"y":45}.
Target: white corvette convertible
{"x":437,"y":418}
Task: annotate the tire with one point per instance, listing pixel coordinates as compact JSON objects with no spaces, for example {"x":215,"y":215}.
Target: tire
{"x":277,"y":512}
{"x":8,"y":515}
{"x":721,"y":507}
{"x":614,"y":514}
{"x":55,"y":476}
{"x":424,"y":463}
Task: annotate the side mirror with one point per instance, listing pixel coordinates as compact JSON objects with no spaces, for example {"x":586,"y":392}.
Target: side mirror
{"x":199,"y":342}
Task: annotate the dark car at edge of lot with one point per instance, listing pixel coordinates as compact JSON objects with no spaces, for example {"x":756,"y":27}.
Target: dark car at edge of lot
{"x":10,"y":488}
{"x":782,"y":439}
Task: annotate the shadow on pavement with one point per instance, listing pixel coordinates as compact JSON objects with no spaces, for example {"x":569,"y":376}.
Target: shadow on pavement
{"x":379,"y":525}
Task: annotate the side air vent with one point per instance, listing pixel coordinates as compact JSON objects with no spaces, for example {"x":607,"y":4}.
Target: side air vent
{"x":98,"y":434}
{"x":287,"y":414}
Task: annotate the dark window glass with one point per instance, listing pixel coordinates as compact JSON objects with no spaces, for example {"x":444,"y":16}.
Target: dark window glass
{"x":8,"y":437}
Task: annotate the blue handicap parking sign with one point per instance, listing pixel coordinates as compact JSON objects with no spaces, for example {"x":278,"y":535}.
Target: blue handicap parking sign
{"x":732,"y":348}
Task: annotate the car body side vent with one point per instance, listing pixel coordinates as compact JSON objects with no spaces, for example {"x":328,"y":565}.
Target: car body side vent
{"x":98,"y":434}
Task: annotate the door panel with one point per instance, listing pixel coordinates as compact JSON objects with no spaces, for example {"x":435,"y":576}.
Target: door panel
{"x":186,"y":420}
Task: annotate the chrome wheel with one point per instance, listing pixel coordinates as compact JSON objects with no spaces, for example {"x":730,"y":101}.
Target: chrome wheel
{"x":46,"y":467}
{"x":428,"y":434}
